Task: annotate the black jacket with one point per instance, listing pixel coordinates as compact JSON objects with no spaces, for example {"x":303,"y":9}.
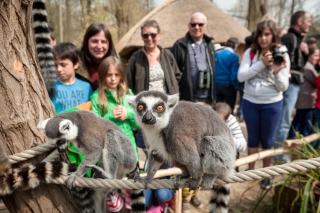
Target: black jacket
{"x":299,"y":59}
{"x":180,"y":53}
{"x":137,"y":71}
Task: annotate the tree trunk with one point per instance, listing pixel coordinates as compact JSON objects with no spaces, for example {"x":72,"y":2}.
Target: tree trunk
{"x":24,"y":102}
{"x":256,"y":10}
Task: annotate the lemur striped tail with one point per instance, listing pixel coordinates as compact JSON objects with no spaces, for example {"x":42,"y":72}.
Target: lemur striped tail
{"x":219,"y":202}
{"x":44,"y":49}
{"x":31,"y":176}
{"x":138,"y":201}
{"x":84,"y":198}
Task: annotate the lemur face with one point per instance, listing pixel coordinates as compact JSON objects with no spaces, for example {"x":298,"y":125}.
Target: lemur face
{"x":59,"y":131}
{"x":153,"y":107}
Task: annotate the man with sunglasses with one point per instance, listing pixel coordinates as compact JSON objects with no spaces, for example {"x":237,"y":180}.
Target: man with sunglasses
{"x":195,"y":57}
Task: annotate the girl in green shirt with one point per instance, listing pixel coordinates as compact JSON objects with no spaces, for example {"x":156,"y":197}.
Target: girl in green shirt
{"x":109,"y":102}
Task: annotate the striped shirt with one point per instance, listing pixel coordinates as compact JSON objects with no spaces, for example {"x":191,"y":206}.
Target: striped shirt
{"x":239,"y":140}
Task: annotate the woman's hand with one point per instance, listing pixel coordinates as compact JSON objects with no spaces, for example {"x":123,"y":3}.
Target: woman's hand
{"x":120,"y":113}
{"x":277,"y":67}
{"x":267,"y":58}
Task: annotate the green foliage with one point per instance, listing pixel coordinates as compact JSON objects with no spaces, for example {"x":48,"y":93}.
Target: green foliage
{"x":307,"y":181}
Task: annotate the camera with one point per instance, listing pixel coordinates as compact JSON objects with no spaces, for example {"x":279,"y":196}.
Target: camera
{"x":278,"y":54}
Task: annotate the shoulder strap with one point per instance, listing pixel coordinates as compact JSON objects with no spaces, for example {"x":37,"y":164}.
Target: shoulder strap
{"x":252,"y":54}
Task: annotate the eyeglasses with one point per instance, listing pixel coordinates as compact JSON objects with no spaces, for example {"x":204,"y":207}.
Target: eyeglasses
{"x":195,"y":24}
{"x":146,"y":36}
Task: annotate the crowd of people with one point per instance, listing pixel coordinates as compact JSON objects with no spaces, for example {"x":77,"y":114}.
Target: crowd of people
{"x":277,"y":72}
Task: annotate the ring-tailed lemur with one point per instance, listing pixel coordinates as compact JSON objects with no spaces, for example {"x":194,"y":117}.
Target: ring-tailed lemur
{"x":100,"y":140}
{"x":29,"y":176}
{"x":44,"y":49}
{"x":188,"y":135}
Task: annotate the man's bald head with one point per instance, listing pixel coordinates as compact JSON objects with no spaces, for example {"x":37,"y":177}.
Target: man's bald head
{"x":197,"y":26}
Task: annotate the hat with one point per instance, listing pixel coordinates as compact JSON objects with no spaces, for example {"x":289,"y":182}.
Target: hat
{"x":218,"y":46}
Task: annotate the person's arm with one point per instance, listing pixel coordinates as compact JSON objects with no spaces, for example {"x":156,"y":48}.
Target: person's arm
{"x":281,"y":79}
{"x":176,"y":55}
{"x":95,"y":105}
{"x":239,"y":140}
{"x":130,"y":72}
{"x":234,"y":70}
{"x":288,"y":41}
{"x":176,"y":70}
{"x":245,"y":70}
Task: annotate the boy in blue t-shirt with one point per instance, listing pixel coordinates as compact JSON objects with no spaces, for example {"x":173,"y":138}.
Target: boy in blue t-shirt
{"x":70,"y":91}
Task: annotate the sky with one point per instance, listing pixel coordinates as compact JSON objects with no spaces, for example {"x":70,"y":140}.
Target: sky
{"x":227,"y":5}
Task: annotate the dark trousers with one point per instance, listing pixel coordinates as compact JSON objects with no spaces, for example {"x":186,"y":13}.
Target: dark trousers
{"x":302,"y":123}
{"x":226,"y":93}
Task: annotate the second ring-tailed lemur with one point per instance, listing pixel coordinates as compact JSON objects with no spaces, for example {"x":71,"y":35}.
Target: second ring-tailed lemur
{"x":100,"y":140}
{"x":188,"y":135}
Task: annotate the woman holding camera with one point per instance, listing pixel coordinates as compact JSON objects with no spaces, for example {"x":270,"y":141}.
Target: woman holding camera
{"x":265,"y":81}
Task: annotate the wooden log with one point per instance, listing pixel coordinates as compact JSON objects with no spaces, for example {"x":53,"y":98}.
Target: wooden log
{"x":178,"y":201}
{"x":308,"y":139}
{"x":259,"y":156}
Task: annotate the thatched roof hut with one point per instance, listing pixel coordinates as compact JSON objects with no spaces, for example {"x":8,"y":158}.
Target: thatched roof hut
{"x":173,"y":17}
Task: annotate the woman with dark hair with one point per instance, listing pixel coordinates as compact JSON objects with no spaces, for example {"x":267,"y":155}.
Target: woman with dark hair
{"x":265,"y":81}
{"x":97,"y":44}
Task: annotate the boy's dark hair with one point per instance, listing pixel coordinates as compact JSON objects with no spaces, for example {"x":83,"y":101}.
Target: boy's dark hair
{"x":66,"y":50}
{"x":52,"y":33}
{"x":223,"y":108}
{"x":232,"y":42}
{"x":296,"y":16}
{"x":311,"y":40}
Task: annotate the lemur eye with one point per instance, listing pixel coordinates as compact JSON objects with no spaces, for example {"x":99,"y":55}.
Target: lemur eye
{"x":160,"y":108}
{"x":140,"y":107}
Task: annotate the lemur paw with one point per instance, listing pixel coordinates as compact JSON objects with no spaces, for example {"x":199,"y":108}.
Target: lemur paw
{"x":71,"y":181}
{"x":207,"y":182}
{"x":193,"y":184}
{"x":176,"y":181}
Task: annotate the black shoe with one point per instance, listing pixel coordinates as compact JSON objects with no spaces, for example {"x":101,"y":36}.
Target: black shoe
{"x":265,"y":183}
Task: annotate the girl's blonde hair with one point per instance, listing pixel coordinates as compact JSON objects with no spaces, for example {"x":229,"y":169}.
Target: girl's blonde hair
{"x":122,"y":88}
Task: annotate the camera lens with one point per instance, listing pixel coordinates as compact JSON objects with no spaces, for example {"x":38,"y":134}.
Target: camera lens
{"x":278,"y":59}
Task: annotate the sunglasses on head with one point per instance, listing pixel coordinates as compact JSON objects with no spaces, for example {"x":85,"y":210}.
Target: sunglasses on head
{"x":195,"y":24}
{"x":153,"y":35}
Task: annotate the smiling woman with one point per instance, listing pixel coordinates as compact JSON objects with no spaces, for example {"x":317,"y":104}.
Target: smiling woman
{"x":97,"y":45}
{"x":152,"y":67}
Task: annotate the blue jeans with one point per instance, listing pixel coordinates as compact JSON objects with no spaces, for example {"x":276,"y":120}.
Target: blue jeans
{"x":289,"y":100}
{"x":261,"y":121}
{"x":162,"y":195}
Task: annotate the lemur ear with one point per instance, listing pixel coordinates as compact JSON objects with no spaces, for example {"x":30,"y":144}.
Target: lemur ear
{"x":64,"y":126}
{"x":173,"y":100}
{"x":43,"y":124}
{"x":131,"y":100}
